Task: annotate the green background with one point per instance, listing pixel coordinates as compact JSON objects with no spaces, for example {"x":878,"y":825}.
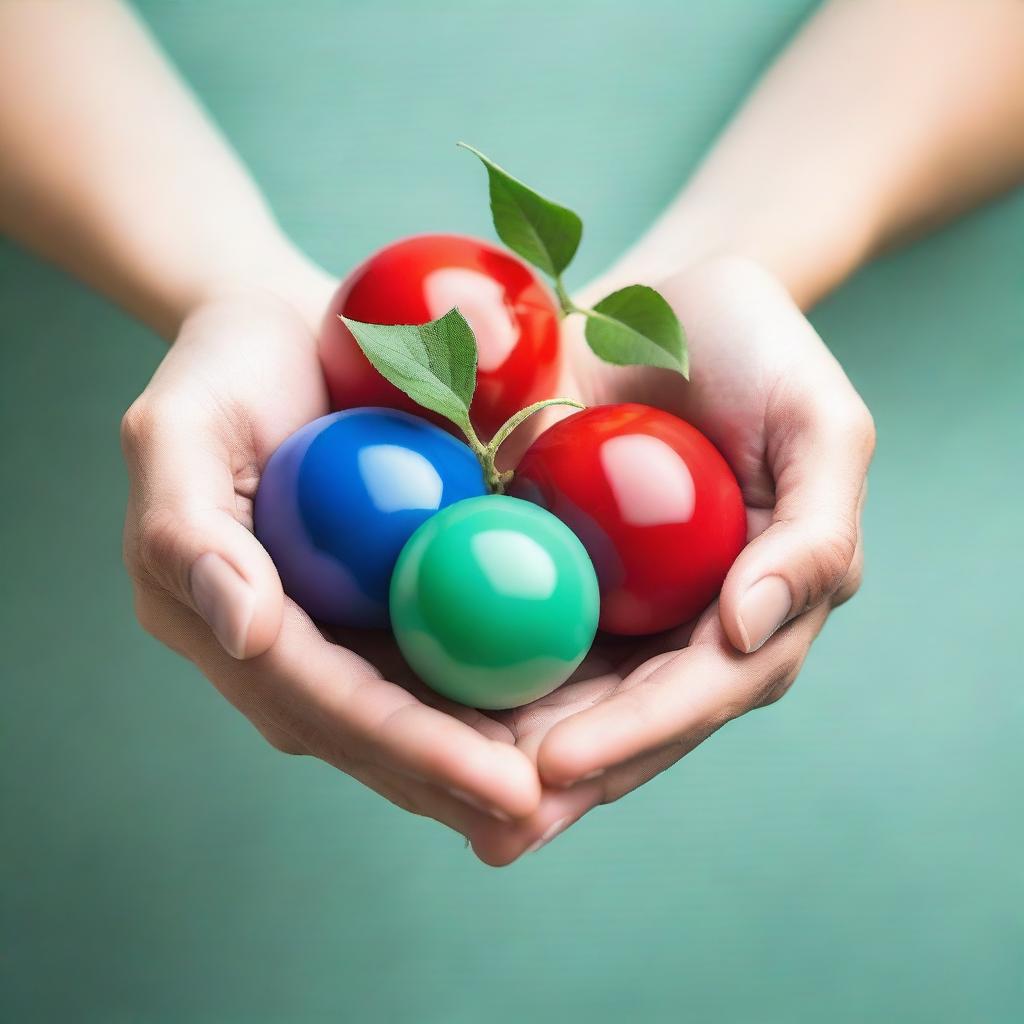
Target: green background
{"x":853,"y":853}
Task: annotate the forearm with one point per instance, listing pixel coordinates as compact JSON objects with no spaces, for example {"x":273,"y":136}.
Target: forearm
{"x":109,"y":168}
{"x":881,"y":119}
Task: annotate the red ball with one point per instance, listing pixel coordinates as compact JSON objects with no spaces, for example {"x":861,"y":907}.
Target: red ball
{"x":656,"y":506}
{"x":421,"y":278}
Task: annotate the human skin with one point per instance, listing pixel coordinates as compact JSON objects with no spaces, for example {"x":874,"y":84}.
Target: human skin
{"x":882,"y":118}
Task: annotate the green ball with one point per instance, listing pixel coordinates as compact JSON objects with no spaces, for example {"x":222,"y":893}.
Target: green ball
{"x":494,"y":602}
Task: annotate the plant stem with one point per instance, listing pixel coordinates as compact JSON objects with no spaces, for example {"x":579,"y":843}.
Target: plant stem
{"x":497,"y":480}
{"x":567,"y":305}
{"x":472,"y":440}
{"x":493,"y":477}
{"x":513,"y":421}
{"x":485,"y":456}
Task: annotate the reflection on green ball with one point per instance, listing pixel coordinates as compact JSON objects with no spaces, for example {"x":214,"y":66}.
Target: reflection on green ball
{"x":494,"y":602}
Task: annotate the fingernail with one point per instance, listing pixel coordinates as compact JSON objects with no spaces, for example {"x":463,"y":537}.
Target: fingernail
{"x":763,"y":608}
{"x":468,"y":798}
{"x":549,"y":833}
{"x":224,"y":600}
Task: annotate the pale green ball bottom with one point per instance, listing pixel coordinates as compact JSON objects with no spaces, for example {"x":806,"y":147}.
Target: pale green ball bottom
{"x":494,"y":602}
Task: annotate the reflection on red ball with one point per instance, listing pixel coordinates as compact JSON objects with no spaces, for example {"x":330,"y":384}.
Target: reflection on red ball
{"x":420,"y":279}
{"x":654,"y":502}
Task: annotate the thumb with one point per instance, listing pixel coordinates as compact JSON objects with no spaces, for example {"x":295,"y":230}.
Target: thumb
{"x":183,"y":533}
{"x":810,"y":546}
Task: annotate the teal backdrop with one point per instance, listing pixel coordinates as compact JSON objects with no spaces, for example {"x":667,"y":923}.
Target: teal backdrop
{"x":854,"y":853}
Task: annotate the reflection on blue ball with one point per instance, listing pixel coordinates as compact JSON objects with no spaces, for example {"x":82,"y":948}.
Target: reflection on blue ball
{"x":340,"y":497}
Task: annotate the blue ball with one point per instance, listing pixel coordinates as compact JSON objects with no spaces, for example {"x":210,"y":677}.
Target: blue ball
{"x":340,"y":497}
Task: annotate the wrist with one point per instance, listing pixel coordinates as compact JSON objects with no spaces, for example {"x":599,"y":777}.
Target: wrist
{"x":275,"y":266}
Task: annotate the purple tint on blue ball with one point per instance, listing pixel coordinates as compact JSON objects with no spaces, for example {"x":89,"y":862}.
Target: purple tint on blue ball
{"x":314,"y":579}
{"x":340,"y":497}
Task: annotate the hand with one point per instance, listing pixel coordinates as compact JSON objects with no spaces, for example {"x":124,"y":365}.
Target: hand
{"x":769,"y":394}
{"x":242,"y":375}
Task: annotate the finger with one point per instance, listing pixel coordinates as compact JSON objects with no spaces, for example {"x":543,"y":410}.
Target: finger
{"x":405,"y":792}
{"x":420,"y":799}
{"x":819,"y":457}
{"x":678,"y":700}
{"x":396,"y":729}
{"x":498,"y":845}
{"x":183,"y":534}
{"x":337,"y":707}
{"x":385,"y":656}
{"x":851,"y":584}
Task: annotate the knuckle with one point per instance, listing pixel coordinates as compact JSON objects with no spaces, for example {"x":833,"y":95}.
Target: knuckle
{"x":778,"y":681}
{"x":158,"y":413}
{"x":269,"y":721}
{"x":833,"y":553}
{"x":131,"y":557}
{"x":146,"y":612}
{"x":159,"y":534}
{"x":283,"y":743}
{"x":278,"y":716}
{"x":153,"y":555}
{"x":138,"y":424}
{"x":772,"y":695}
{"x":330,"y":747}
{"x":855,"y":425}
{"x":851,"y":582}
{"x":730,"y":711}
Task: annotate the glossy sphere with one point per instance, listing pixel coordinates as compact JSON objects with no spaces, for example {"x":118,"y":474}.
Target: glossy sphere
{"x":419,"y":279}
{"x":340,"y":497}
{"x":494,"y":602}
{"x":656,"y":505}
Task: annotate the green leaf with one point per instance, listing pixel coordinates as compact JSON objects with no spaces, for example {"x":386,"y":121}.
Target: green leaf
{"x":635,"y":326}
{"x":542,"y":232}
{"x":433,"y":363}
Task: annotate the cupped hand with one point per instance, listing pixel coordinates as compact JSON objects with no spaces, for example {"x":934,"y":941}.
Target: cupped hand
{"x":244,"y":373}
{"x":241,"y":376}
{"x":769,"y":394}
